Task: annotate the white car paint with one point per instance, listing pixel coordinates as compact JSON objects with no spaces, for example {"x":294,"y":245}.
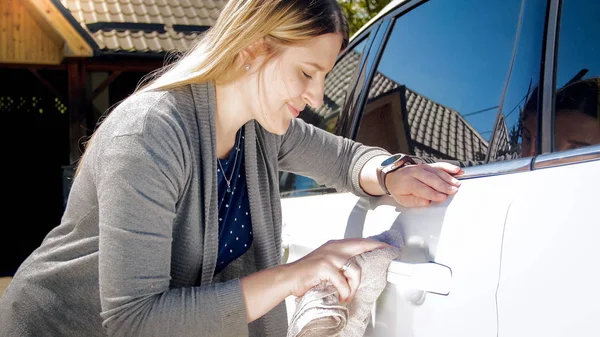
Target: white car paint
{"x":549,"y":272}
{"x":519,"y":247}
{"x":463,"y":233}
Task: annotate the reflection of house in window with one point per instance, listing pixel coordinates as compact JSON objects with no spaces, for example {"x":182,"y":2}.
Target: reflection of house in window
{"x":400,"y":119}
{"x":504,"y":145}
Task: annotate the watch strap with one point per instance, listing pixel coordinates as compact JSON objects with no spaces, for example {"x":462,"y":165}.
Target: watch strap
{"x":399,"y":160}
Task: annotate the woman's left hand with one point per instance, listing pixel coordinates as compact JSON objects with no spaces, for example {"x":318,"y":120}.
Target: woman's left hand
{"x":419,"y":185}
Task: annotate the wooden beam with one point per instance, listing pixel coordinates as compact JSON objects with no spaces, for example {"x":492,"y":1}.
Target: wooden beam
{"x":76,"y":44}
{"x":33,"y":66}
{"x":105,"y":84}
{"x":76,"y":109}
{"x":124,"y":65}
{"x":47,"y":84}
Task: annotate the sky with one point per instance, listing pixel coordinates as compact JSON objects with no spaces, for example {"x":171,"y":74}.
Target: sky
{"x":463,"y":60}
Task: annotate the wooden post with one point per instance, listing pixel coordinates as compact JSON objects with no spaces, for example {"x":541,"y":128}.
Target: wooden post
{"x":77,"y":108}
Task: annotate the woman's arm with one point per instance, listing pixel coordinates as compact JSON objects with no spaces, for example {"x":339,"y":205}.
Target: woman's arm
{"x":330,"y":160}
{"x":350,"y":166}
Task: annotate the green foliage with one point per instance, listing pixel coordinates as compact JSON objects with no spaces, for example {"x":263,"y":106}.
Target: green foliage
{"x":360,"y":12}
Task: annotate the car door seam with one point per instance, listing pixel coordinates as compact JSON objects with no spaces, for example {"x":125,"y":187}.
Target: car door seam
{"x":500,"y":269}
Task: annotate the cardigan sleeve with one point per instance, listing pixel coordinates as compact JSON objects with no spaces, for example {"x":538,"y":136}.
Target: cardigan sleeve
{"x":139,"y":179}
{"x":330,"y":160}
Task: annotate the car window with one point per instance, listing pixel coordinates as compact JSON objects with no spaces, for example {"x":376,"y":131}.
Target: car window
{"x":325,"y":117}
{"x":453,"y":80}
{"x":577,"y":101}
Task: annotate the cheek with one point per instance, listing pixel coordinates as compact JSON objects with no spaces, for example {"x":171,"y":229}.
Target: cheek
{"x":291,"y":82}
{"x":294,"y":86}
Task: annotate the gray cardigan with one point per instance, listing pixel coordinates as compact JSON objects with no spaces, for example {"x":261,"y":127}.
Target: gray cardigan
{"x":136,"y":249}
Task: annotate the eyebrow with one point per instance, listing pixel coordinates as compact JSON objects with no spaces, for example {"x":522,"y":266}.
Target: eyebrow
{"x":315,"y":65}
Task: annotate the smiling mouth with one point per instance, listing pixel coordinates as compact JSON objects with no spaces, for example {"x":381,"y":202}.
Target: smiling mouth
{"x":293,"y":110}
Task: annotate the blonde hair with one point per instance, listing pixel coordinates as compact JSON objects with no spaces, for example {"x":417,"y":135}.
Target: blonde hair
{"x":241,"y":24}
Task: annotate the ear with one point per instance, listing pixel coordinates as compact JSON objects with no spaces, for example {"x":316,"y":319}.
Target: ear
{"x":253,"y":51}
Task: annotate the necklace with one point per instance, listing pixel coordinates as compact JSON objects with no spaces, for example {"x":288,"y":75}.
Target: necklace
{"x":236,"y":149}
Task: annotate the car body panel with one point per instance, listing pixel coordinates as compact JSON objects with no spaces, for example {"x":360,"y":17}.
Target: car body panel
{"x":549,"y":257}
{"x":455,"y":233}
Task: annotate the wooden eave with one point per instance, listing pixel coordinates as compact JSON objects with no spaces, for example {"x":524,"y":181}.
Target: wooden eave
{"x":52,"y":20}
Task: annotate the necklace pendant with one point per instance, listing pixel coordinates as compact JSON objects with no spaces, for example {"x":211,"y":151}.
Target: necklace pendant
{"x":228,"y":189}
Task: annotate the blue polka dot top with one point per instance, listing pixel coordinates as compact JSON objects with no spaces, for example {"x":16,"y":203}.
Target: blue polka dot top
{"x":235,"y":226}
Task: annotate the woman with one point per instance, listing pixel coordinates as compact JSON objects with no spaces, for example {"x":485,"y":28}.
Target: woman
{"x":173,"y":222}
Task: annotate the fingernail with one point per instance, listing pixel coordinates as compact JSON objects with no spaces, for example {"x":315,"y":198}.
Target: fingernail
{"x":453,"y":188}
{"x":456,"y":182}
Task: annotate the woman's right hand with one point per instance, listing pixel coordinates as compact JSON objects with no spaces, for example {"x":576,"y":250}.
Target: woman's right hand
{"x":325,"y":263}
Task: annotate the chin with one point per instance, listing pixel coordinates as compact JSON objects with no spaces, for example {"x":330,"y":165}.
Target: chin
{"x":279,"y":129}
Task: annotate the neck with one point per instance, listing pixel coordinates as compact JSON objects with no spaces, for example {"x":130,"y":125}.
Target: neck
{"x":231,"y":115}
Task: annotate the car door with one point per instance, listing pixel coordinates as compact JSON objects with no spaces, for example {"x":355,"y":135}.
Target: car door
{"x":449,"y":81}
{"x":549,"y":256}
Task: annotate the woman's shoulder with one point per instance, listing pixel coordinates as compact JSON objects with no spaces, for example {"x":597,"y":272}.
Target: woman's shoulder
{"x":147,"y":113}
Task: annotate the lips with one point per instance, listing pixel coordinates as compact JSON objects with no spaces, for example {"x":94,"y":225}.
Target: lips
{"x":295,"y":112}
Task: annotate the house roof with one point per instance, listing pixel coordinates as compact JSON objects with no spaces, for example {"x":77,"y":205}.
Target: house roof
{"x":435,"y":130}
{"x":144,"y":26}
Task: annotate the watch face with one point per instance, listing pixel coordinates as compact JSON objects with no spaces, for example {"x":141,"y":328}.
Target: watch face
{"x":392,"y":159}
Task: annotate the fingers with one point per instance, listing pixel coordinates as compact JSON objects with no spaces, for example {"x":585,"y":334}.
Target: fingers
{"x":450,"y":168}
{"x":353,"y":276}
{"x":437,"y":179}
{"x":422,"y":190}
{"x":445,"y":176}
{"x":412,"y":201}
{"x":342,"y":285}
{"x":418,"y":185}
{"x":326,"y":262}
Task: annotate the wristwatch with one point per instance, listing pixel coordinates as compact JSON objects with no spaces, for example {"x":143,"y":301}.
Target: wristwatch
{"x":391,"y":164}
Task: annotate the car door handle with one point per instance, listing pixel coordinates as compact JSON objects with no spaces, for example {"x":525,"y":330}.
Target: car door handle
{"x":430,"y":277}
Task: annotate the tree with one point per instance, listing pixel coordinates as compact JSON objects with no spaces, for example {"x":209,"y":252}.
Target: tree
{"x":360,"y":12}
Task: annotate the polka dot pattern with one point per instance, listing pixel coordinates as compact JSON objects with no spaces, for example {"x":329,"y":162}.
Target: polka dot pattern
{"x":235,"y":225}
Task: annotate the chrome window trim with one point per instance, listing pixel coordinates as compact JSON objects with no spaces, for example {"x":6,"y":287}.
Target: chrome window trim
{"x":580,"y":155}
{"x":497,"y":168}
{"x":546,"y":125}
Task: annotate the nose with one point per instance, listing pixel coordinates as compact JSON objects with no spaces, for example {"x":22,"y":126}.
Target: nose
{"x":313,"y":95}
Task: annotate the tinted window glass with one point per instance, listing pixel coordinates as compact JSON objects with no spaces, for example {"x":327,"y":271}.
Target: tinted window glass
{"x":325,"y":117}
{"x":577,"y":104}
{"x":454,"y":78}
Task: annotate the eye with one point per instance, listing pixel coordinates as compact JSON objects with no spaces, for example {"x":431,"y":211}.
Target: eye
{"x":307,"y":75}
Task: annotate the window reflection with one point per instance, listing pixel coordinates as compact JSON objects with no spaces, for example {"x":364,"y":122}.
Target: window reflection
{"x":577,"y":104}
{"x":453,"y":80}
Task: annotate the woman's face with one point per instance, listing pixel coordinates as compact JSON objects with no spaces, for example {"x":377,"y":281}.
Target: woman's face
{"x":291,"y":80}
{"x":572,"y":129}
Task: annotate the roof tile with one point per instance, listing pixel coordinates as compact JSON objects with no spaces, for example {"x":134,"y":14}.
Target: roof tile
{"x":164,"y":12}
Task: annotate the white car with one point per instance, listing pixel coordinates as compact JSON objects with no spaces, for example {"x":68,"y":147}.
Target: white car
{"x":510,"y":90}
